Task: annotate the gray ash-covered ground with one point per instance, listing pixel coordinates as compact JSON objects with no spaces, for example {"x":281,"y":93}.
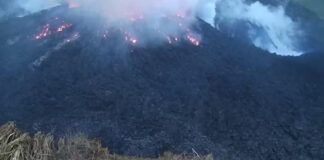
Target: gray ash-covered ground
{"x":222,"y":97}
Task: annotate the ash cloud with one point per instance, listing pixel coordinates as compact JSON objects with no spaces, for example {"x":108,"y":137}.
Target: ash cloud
{"x":267,"y":27}
{"x":153,"y":10}
{"x":117,"y":10}
{"x":158,"y":20}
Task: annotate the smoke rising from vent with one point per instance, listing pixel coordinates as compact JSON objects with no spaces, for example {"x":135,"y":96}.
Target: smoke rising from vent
{"x":116,"y":10}
{"x":149,"y":20}
{"x":159,"y":19}
{"x":123,"y":9}
{"x":268,"y":27}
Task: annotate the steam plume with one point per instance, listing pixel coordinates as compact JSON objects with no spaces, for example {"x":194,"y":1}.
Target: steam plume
{"x":267,"y":27}
{"x":159,"y":19}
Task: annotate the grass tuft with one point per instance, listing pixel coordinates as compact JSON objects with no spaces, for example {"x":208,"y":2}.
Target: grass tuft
{"x":16,"y":145}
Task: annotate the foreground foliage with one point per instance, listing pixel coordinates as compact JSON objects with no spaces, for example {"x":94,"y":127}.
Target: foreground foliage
{"x":16,"y":145}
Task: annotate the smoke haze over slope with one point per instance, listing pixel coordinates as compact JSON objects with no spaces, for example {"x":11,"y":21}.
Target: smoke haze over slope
{"x":121,"y":10}
{"x":268,"y":27}
{"x":143,"y":19}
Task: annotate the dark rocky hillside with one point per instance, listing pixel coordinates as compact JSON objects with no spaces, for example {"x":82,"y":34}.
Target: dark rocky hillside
{"x":223,"y":97}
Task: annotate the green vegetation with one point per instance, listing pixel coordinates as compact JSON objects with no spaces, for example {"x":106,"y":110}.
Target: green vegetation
{"x":16,"y":145}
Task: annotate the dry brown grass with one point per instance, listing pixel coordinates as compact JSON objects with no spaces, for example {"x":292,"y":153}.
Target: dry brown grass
{"x":16,"y":145}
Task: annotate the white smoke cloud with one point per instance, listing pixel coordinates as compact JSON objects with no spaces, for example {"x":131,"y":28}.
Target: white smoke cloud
{"x":32,"y":6}
{"x":123,"y":13}
{"x":269,"y":27}
{"x":123,"y":9}
{"x":153,"y":14}
{"x":120,"y":10}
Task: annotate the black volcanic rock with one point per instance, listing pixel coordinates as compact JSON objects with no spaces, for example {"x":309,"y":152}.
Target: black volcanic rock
{"x":223,"y":97}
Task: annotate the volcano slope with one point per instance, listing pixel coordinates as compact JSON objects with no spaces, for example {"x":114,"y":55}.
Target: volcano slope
{"x":222,"y":97}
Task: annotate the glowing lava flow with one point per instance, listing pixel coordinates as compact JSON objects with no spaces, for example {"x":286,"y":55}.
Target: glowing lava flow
{"x":129,"y":38}
{"x":133,"y":35}
{"x":105,"y":35}
{"x":73,"y":38}
{"x":193,"y":40}
{"x":44,"y":33}
{"x":169,"y":40}
{"x":47,"y":31}
{"x":132,"y":40}
{"x":63,"y":27}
